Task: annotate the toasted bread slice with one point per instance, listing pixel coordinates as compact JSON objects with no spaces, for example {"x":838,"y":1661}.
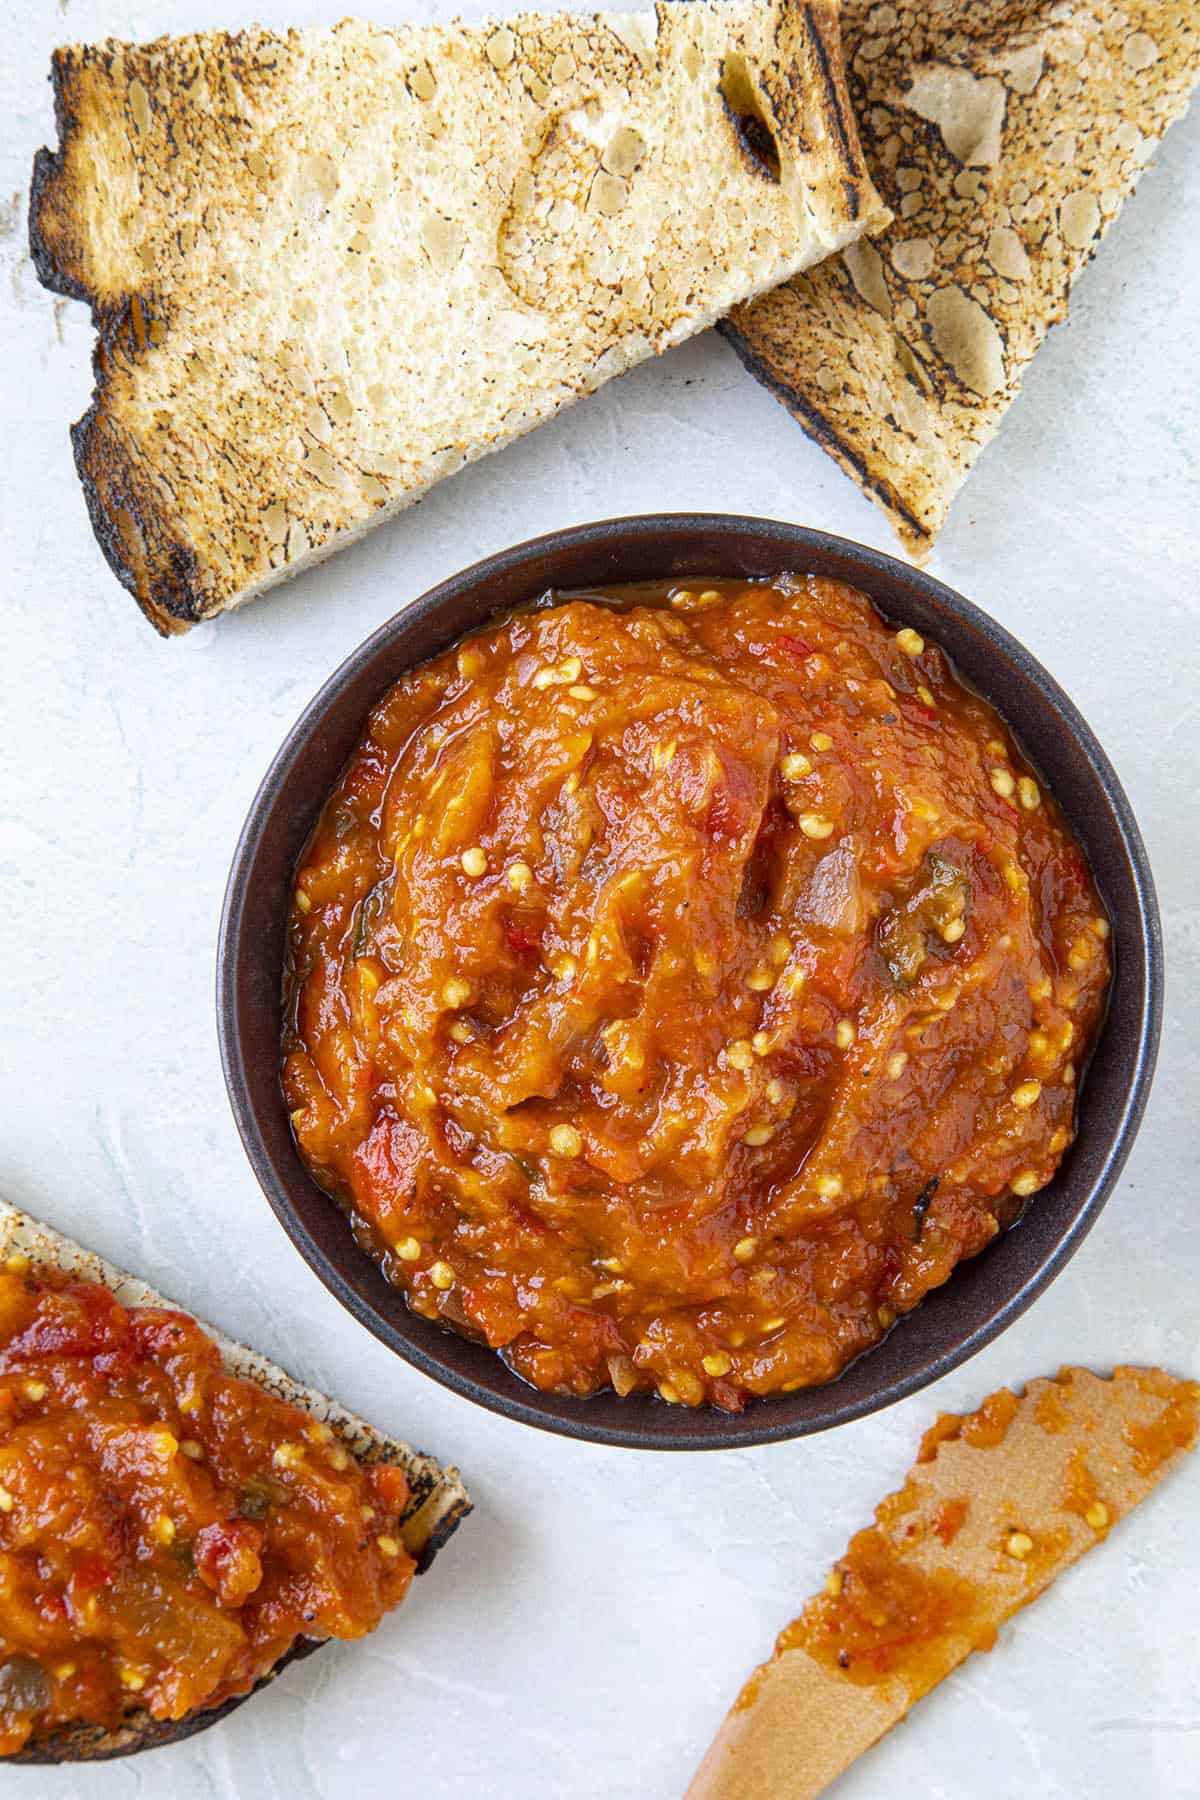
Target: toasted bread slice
{"x":437,"y":1504}
{"x":1005,"y":138}
{"x":330,"y":267}
{"x":1000,"y":1502}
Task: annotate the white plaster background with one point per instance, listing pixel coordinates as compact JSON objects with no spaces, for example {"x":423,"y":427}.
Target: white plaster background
{"x":585,"y":1631}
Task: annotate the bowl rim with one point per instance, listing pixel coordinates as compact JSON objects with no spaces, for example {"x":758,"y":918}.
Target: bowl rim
{"x":755,"y":1425}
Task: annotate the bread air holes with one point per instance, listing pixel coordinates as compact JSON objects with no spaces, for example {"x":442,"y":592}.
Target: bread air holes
{"x":747,"y":115}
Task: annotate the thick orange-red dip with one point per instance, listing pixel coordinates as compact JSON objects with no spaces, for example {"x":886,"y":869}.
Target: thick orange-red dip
{"x":167,"y":1531}
{"x":682,"y":981}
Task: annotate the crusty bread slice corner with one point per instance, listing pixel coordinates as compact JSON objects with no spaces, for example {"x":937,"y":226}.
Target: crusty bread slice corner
{"x":1006,"y":138}
{"x":438,"y":1502}
{"x":328,"y":268}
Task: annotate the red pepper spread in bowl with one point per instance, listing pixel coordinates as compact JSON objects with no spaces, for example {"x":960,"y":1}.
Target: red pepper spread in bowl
{"x":167,"y":1530}
{"x":681,"y":981}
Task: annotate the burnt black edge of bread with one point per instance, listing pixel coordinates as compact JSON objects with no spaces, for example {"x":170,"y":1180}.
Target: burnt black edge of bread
{"x":828,"y":61}
{"x":423,"y":1483}
{"x":165,"y":586}
{"x":48,"y":169}
{"x":819,"y":67}
{"x":443,"y":1531}
{"x":821,"y":432}
{"x":87,"y":1743}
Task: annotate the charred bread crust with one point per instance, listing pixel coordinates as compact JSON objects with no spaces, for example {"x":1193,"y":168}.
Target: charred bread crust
{"x":1005,"y":139}
{"x":448,"y":1522}
{"x":52,"y":243}
{"x":823,"y":31}
{"x":131,"y":525}
{"x":823,"y":431}
{"x":182,"y":159}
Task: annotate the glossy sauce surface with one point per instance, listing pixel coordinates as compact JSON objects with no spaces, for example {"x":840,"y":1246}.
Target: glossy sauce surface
{"x":884,"y":1617}
{"x":682,"y":981}
{"x":167,"y":1531}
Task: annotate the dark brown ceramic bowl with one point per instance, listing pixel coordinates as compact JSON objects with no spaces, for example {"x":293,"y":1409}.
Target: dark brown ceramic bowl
{"x":984,"y":1295}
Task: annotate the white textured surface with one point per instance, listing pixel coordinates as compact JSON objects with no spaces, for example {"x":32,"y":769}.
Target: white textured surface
{"x":586,"y":1630}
